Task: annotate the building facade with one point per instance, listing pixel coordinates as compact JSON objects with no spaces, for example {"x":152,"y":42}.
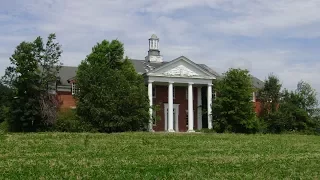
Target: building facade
{"x":181,"y":89}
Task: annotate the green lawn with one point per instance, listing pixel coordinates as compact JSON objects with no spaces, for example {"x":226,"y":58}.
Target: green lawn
{"x":158,"y":156}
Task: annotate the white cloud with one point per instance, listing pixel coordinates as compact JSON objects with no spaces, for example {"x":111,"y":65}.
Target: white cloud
{"x":212,"y":38}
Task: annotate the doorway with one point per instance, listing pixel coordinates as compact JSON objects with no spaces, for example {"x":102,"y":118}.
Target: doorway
{"x":175,"y":117}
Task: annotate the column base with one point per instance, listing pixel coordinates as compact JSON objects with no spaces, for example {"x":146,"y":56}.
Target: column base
{"x":191,"y":131}
{"x":151,"y":130}
{"x":170,"y":130}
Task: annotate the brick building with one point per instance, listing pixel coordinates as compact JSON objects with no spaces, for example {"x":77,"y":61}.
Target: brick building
{"x":180,"y":87}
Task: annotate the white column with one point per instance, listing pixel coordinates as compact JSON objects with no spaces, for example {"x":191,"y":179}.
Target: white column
{"x":170,"y":107}
{"x":209,"y":106}
{"x":199,"y":103}
{"x":151,"y":104}
{"x":190,"y":108}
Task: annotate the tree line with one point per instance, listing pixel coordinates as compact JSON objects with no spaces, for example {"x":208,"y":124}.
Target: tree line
{"x":112,"y":96}
{"x":282,"y":111}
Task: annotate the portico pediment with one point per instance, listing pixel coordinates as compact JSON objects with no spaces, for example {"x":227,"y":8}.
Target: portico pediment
{"x":181,"y":67}
{"x":180,"y":70}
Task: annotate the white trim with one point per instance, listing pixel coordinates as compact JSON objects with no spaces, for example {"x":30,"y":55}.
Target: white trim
{"x":183,"y":80}
{"x":253,"y":97}
{"x":176,"y":125}
{"x":211,"y":76}
{"x":209,"y":106}
{"x":73,"y":88}
{"x":190,"y":108}
{"x":150,"y":104}
{"x":170,"y":107}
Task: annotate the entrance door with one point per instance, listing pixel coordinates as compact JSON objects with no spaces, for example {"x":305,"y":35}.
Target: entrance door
{"x":175,"y":117}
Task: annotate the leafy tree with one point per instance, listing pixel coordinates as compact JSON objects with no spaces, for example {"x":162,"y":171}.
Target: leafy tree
{"x":112,"y":97}
{"x":298,"y":111}
{"x":300,"y":107}
{"x":32,"y":76}
{"x":270,"y":95}
{"x":233,"y":110}
{"x":4,"y":101}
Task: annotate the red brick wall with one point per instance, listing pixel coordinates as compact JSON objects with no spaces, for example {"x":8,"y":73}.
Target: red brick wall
{"x":66,"y":99}
{"x":180,"y":98}
{"x":257,"y":107}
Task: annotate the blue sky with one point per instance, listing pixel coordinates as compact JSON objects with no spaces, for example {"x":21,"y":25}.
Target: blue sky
{"x":274,"y":36}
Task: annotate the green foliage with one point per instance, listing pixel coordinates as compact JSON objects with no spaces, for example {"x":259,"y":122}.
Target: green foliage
{"x":299,"y":108}
{"x":112,"y":96}
{"x":270,"y":95}
{"x":291,"y":111}
{"x":31,"y":76}
{"x":233,"y":110}
{"x":4,"y":127}
{"x":68,"y":121}
{"x":5,"y":94}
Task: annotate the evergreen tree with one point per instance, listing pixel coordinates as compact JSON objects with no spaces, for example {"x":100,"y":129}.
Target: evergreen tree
{"x":233,"y":109}
{"x":112,"y":97}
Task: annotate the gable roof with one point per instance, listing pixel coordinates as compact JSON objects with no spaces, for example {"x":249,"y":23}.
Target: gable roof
{"x":141,"y":66}
{"x":197,"y":66}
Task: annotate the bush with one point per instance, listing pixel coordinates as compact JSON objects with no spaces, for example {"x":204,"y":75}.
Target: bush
{"x":69,"y":122}
{"x":4,"y":127}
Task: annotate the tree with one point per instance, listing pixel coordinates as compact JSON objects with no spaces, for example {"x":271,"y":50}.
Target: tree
{"x":300,"y":108}
{"x":32,"y":75}
{"x":233,"y":109}
{"x":270,"y":95}
{"x":4,"y":101}
{"x":298,"y":111}
{"x":112,"y":97}
{"x":47,"y":57}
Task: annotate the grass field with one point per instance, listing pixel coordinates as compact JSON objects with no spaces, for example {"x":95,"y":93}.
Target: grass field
{"x":158,"y":156}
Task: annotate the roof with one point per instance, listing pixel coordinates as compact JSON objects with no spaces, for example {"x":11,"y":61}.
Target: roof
{"x":141,"y":66}
{"x":257,"y":83}
{"x":66,"y":73}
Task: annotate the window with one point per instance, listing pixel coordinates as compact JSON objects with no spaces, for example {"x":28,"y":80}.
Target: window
{"x":74,"y":89}
{"x":154,"y":92}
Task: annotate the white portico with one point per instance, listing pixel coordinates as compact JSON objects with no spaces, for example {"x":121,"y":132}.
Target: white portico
{"x":181,"y":72}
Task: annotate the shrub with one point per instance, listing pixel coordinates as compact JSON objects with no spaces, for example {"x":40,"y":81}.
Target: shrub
{"x":69,"y":122}
{"x":4,"y":127}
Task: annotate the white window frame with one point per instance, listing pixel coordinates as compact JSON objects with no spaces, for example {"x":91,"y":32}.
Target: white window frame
{"x":74,"y":89}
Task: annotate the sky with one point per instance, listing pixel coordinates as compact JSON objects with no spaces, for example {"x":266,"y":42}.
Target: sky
{"x":274,"y":36}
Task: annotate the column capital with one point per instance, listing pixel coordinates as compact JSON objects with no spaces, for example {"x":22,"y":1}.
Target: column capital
{"x":190,"y":83}
{"x":150,"y":81}
{"x":209,"y":84}
{"x":170,"y":82}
